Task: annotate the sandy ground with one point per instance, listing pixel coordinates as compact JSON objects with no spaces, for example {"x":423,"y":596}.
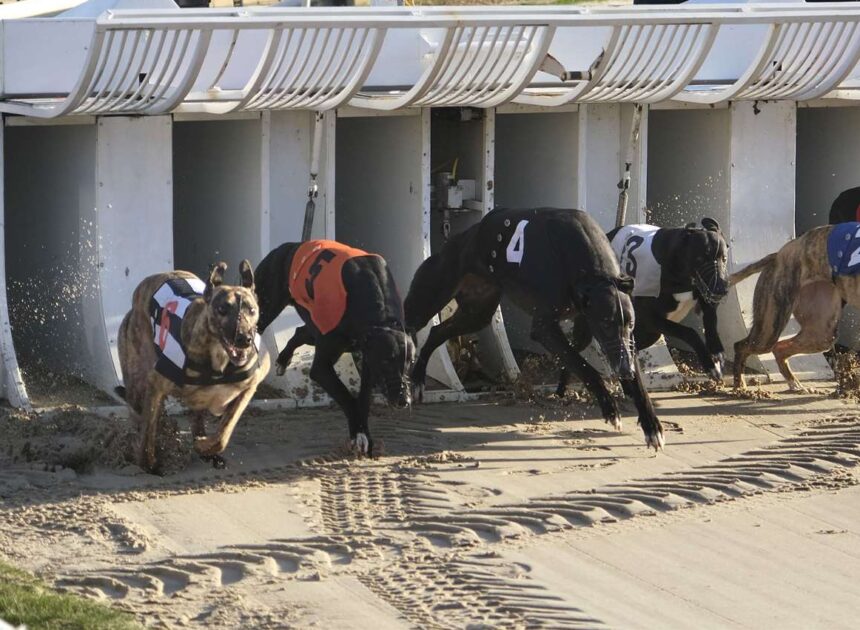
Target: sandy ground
{"x":487,"y":514}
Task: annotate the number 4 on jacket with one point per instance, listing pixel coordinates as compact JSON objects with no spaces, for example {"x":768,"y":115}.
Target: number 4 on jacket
{"x":517,"y":245}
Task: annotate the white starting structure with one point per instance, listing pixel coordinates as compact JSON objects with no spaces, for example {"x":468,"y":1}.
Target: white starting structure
{"x":139,"y":137}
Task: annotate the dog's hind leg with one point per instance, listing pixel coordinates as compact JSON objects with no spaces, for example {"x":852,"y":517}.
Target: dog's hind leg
{"x":153,"y":407}
{"x":547,"y":332}
{"x":818,"y":309}
{"x":301,"y":337}
{"x":581,"y":338}
{"x":773,"y":302}
{"x":475,"y":308}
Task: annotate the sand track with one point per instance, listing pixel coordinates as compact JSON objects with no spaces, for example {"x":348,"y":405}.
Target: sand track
{"x":438,"y":532}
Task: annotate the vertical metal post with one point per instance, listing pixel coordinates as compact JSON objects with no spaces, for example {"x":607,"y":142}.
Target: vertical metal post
{"x":624,"y":184}
{"x":313,"y":189}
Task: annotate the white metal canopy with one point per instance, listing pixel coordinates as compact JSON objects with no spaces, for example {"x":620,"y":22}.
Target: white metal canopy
{"x":149,"y":62}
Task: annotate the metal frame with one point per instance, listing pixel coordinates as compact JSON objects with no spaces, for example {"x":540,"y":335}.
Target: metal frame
{"x":143,"y":62}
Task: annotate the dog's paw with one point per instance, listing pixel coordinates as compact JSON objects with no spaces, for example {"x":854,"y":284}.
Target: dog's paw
{"x":361,"y":445}
{"x":208,"y":446}
{"x":615,"y":421}
{"x":654,"y":439}
{"x":218,"y":462}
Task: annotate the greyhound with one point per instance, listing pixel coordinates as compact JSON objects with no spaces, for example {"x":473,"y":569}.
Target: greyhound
{"x":553,"y":263}
{"x":674,"y":269}
{"x":195,"y":342}
{"x":348,"y":301}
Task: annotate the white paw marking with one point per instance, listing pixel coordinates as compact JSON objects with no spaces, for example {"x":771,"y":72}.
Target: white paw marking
{"x":657,"y":442}
{"x":361,"y":444}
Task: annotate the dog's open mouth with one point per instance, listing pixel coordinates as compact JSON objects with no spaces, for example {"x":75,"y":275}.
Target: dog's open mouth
{"x":238,"y":356}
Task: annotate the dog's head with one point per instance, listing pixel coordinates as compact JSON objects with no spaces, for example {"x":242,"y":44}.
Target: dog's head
{"x":608,"y":307}
{"x":390,"y":353}
{"x":703,"y":258}
{"x":232,"y":313}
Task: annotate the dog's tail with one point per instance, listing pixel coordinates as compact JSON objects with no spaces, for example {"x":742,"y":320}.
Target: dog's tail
{"x":749,"y":270}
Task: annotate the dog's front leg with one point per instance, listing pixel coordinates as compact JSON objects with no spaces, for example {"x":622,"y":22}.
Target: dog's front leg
{"x":153,"y":407}
{"x":360,"y":422}
{"x":692,"y":339}
{"x":648,"y":419}
{"x":210,"y":448}
{"x":324,"y":375}
{"x":712,"y":338}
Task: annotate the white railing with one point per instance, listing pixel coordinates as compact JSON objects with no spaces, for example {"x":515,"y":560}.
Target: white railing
{"x":153,"y":62}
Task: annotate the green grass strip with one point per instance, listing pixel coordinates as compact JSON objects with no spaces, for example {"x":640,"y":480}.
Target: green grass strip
{"x":26,"y":600}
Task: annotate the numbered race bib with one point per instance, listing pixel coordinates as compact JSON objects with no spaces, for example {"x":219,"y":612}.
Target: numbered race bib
{"x":632,"y":247}
{"x":843,"y":249}
{"x":316,"y":281}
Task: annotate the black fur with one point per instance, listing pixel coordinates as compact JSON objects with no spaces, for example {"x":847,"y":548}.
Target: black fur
{"x":567,"y":270}
{"x":680,"y":252}
{"x":846,"y":206}
{"x":372,"y":325}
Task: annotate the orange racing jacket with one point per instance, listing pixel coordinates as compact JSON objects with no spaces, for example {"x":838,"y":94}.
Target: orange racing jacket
{"x":316,"y":280}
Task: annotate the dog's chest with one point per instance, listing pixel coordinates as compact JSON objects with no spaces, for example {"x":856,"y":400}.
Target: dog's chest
{"x":685,"y":305}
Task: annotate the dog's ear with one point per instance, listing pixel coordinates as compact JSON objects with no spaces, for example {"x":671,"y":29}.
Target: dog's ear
{"x":247,"y":274}
{"x":711,"y":224}
{"x":624,"y":283}
{"x":216,"y":278}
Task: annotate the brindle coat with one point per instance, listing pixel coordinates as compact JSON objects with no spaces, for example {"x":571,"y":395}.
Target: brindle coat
{"x":221,"y":323}
{"x":797,"y":279}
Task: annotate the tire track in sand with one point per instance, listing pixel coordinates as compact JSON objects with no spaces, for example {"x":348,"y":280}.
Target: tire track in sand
{"x":434,"y":561}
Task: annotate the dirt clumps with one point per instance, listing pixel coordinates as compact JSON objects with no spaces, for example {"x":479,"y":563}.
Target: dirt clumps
{"x":70,"y":437}
{"x":846,"y":370}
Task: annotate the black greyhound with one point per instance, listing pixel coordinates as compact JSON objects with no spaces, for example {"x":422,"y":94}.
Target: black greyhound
{"x":553,"y":263}
{"x":846,"y":206}
{"x":674,"y":270}
{"x":349,"y":303}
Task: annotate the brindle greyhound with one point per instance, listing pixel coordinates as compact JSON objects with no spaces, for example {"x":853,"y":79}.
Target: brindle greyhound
{"x":554,"y":264}
{"x":348,"y":302}
{"x":812,"y":276}
{"x":690,"y":270}
{"x":195,"y":342}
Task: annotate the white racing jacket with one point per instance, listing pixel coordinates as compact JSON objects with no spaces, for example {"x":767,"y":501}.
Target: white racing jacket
{"x":632,"y":247}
